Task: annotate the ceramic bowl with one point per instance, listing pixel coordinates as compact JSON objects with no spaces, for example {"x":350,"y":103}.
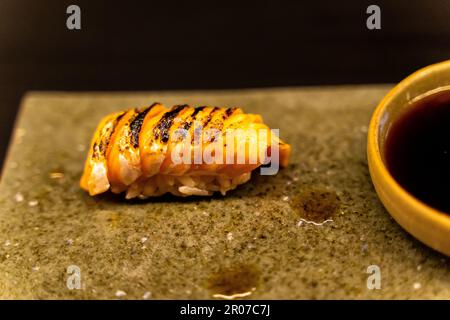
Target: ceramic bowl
{"x":427,"y":224}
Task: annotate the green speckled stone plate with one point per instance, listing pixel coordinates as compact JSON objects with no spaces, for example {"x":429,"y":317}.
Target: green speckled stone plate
{"x":264,"y":240}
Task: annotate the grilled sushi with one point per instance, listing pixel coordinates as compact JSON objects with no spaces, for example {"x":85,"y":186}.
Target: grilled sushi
{"x":132,"y":151}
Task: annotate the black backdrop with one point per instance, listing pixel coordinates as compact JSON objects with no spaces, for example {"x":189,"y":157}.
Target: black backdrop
{"x":148,"y":45}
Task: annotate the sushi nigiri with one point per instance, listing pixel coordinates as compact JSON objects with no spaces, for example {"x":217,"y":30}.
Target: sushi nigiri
{"x":182,"y":150}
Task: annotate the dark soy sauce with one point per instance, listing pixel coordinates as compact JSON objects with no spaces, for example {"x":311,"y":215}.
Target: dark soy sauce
{"x":417,"y":150}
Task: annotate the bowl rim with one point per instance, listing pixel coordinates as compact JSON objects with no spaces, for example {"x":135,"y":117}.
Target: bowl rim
{"x":377,"y":161}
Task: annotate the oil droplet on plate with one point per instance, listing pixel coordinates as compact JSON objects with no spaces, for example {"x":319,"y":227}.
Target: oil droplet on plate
{"x":56,"y":175}
{"x":235,"y":282}
{"x":316,"y":206}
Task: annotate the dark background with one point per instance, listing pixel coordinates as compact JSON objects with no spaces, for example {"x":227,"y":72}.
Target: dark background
{"x":151,"y":45}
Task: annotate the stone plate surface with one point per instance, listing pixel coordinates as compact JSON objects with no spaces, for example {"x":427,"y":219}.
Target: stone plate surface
{"x":256,"y":241}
